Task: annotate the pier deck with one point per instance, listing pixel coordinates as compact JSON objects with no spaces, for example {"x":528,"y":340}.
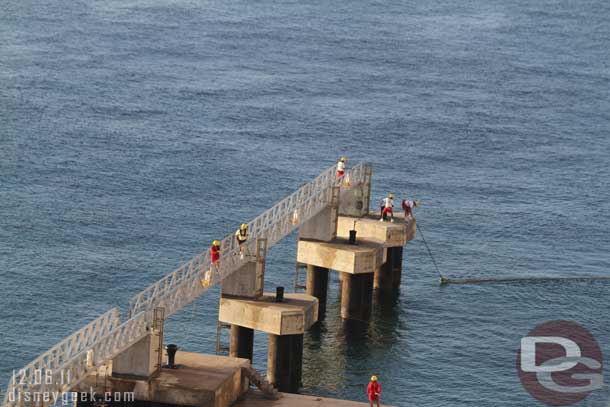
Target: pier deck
{"x":256,"y":399}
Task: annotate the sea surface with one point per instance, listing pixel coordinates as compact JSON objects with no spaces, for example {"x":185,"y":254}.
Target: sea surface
{"x":133,"y":133}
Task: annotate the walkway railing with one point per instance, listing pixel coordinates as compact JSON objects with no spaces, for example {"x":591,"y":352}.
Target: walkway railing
{"x":54,"y":370}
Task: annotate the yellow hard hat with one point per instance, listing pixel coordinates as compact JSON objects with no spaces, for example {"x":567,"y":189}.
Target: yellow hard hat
{"x":344,"y":159}
{"x":373,"y":378}
{"x":244,"y":226}
{"x":215,"y":243}
{"x":391,"y":195}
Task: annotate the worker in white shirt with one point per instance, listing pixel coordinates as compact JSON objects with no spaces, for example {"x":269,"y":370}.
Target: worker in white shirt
{"x":341,"y":167}
{"x":388,"y":205}
{"x":408,"y":205}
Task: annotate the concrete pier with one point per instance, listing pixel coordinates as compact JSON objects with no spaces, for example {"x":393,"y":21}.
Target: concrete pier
{"x":200,"y":380}
{"x":285,"y":362}
{"x":285,"y":322}
{"x":317,"y":286}
{"x":392,"y":235}
{"x":255,"y":399}
{"x":242,"y":342}
{"x":356,"y":264}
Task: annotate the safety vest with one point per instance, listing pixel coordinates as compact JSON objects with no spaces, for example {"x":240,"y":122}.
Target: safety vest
{"x":242,"y":237}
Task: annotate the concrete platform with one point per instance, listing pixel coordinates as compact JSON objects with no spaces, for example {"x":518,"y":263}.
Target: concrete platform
{"x":201,"y":380}
{"x":390,"y":234}
{"x":255,"y":399}
{"x":339,"y":255}
{"x":294,"y":316}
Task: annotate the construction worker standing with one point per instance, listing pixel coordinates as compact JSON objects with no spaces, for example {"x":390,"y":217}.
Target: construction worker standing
{"x":341,"y":167}
{"x":215,"y":255}
{"x":214,"y":263}
{"x":242,"y":235}
{"x":387,"y":205}
{"x":374,"y":391}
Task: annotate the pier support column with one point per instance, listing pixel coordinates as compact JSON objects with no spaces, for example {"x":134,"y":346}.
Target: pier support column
{"x":395,"y":254}
{"x":356,"y":296}
{"x":317,"y":286}
{"x":384,"y":278}
{"x":242,"y":342}
{"x":388,"y":275}
{"x":285,"y":362}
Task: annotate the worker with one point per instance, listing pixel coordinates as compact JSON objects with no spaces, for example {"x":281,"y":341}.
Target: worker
{"x":242,"y":235}
{"x":374,"y":390}
{"x":387,"y":207}
{"x":215,"y":255}
{"x":408,"y":206}
{"x":341,"y":167}
{"x":214,"y":263}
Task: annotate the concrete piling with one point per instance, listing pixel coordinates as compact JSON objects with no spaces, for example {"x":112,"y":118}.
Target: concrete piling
{"x":388,"y":275}
{"x":356,"y":296}
{"x":285,"y":362}
{"x":242,"y":342}
{"x":395,"y":257}
{"x":317,"y":286}
{"x":383,"y":276}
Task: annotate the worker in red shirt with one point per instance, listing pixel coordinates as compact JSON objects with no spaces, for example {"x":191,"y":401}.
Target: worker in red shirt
{"x":215,"y":253}
{"x":214,"y":263}
{"x":374,"y":390}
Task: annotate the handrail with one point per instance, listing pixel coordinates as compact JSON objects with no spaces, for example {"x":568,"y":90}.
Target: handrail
{"x":271,"y":224}
{"x":50,"y":366}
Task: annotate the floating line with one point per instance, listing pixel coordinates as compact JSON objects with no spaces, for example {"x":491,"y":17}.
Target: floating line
{"x":445,"y":280}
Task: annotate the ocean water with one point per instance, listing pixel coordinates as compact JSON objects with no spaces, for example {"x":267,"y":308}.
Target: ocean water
{"x":132,"y":133}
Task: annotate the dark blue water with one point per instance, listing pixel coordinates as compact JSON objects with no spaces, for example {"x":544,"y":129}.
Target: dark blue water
{"x":132,"y":133}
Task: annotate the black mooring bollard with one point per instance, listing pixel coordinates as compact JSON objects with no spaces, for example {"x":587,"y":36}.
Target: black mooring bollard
{"x":279,"y":294}
{"x":352,"y":237}
{"x":171,"y":355}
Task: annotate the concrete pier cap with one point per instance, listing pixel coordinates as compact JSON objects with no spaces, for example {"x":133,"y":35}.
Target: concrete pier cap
{"x":341,"y":256}
{"x":293,"y":316}
{"x":369,"y":228}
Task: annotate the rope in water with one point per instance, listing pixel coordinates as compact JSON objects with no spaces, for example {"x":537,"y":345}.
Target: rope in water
{"x":430,"y":252}
{"x":445,"y":280}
